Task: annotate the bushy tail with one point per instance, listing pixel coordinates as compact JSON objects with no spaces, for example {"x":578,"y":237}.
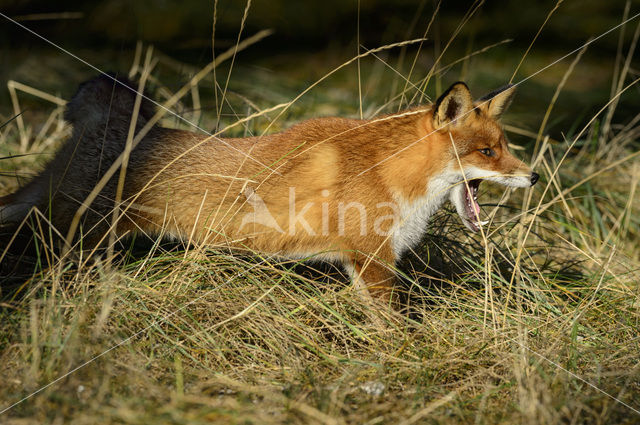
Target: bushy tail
{"x":106,"y":97}
{"x":100,"y":113}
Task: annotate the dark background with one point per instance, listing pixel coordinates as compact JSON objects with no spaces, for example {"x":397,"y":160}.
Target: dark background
{"x":312,"y":37}
{"x":182,"y":26}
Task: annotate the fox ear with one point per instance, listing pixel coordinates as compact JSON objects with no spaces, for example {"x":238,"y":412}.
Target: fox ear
{"x":496,"y":102}
{"x":453,"y":105}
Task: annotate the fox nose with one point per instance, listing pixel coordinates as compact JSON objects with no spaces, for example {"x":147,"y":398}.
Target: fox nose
{"x":534,"y":178}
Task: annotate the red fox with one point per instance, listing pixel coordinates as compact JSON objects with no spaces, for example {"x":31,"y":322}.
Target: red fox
{"x":358,"y":192}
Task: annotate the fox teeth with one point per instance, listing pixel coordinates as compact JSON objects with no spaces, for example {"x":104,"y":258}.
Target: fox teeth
{"x":483,"y":223}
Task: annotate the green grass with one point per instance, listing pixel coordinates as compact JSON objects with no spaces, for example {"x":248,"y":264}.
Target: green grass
{"x":539,"y":322}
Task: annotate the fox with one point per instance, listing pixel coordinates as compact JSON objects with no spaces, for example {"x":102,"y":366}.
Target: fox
{"x":357,"y":192}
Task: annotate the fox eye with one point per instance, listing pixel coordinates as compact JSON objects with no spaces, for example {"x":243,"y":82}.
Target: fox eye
{"x":487,"y":152}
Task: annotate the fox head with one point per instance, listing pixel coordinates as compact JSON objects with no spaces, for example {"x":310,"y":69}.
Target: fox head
{"x":475,"y":147}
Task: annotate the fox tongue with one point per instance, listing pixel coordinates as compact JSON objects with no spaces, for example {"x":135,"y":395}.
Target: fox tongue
{"x":476,"y":210}
{"x":473,"y":208}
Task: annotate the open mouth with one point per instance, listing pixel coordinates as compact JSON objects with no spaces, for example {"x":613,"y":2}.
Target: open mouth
{"x":471,"y":215}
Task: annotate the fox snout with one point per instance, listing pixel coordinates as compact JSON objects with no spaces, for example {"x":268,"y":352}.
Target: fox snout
{"x":521,"y":178}
{"x":524,"y":177}
{"x":519,"y":175}
{"x":527,"y":176}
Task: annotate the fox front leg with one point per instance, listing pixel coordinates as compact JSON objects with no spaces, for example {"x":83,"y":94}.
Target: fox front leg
{"x":376,"y":281}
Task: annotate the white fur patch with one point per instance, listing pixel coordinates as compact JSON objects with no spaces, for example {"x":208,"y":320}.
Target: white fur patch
{"x":410,"y":227}
{"x":326,"y":256}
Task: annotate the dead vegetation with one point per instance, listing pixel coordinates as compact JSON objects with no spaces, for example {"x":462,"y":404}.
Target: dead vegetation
{"x":538,"y":323}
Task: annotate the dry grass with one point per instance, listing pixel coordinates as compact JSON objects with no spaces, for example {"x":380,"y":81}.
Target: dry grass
{"x":539,"y":325}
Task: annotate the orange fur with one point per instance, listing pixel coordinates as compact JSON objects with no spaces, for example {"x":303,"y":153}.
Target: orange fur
{"x":196,"y":188}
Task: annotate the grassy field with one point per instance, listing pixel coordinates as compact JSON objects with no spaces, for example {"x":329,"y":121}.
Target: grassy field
{"x":536,"y":321}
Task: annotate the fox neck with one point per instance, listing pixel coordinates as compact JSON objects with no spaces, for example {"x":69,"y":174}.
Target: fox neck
{"x":411,"y":227}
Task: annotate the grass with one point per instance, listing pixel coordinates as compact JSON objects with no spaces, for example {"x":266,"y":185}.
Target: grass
{"x":535,"y":323}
